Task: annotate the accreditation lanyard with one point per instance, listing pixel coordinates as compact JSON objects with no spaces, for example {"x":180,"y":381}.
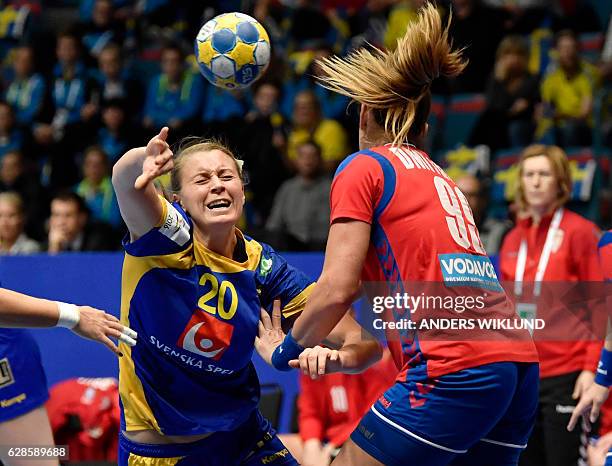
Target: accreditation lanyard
{"x":67,"y":100}
{"x":544,"y":257}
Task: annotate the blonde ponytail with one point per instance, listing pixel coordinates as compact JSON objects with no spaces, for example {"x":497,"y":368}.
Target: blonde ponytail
{"x":397,"y":84}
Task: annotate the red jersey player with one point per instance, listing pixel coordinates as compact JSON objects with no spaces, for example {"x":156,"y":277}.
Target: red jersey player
{"x":397,"y":218}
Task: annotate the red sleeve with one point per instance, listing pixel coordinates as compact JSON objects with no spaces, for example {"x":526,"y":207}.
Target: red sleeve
{"x":356,"y":189}
{"x":508,"y":249}
{"x":585,"y":257}
{"x":311,"y":409}
{"x":63,"y":399}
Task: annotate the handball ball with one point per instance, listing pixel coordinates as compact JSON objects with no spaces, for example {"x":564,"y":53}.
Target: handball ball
{"x":232,"y":50}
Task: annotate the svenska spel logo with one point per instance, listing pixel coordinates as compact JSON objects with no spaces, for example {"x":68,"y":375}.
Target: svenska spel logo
{"x":206,"y":336}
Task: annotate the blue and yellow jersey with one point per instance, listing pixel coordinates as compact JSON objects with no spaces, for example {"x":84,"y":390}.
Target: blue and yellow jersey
{"x":196,"y":313}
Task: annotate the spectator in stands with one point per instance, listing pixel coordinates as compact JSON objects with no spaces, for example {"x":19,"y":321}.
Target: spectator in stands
{"x":14,"y":177}
{"x":308,"y":123}
{"x":11,"y":138}
{"x":512,"y":94}
{"x":567,"y":95}
{"x":479,"y":29}
{"x":75,"y":106}
{"x":71,"y":230}
{"x":330,"y":407}
{"x":96,"y":188}
{"x":552,"y":244}
{"x":26,"y":93}
{"x":71,"y":89}
{"x":116,"y":133}
{"x":174,"y":97}
{"x":13,"y":239}
{"x":491,"y":230}
{"x":114,"y":83}
{"x":102,"y":29}
{"x":333,"y":105}
{"x":402,"y":14}
{"x":222,"y":110}
{"x":262,"y":142}
{"x":301,"y":208}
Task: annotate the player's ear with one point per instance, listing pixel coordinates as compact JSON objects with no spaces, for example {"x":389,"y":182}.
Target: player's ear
{"x":177,"y":198}
{"x":363,"y":117}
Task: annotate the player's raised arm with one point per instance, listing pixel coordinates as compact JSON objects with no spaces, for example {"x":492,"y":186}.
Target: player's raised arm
{"x":132,"y":179}
{"x":20,"y":310}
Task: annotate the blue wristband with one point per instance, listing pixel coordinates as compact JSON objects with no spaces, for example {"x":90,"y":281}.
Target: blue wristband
{"x":604,"y":369}
{"x":289,"y":349}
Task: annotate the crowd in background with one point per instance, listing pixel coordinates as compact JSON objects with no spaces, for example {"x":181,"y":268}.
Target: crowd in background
{"x":84,"y":81}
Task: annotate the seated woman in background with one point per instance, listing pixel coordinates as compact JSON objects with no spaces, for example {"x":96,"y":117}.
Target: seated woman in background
{"x":13,"y":240}
{"x":511,"y":95}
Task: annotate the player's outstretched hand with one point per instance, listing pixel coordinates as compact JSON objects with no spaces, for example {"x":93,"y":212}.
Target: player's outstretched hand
{"x":158,"y":159}
{"x":270,"y":333}
{"x":318,"y":361}
{"x":99,"y":326}
{"x":589,"y":406}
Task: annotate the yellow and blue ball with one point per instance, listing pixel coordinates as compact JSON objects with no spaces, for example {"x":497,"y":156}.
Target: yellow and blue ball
{"x":232,"y":50}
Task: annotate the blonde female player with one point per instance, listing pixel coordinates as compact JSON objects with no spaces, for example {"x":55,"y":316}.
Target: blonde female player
{"x":398,"y":218}
{"x":23,"y":385}
{"x":193,"y":287}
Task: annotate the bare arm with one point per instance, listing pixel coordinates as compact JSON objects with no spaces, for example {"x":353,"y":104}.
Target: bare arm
{"x":338,"y":284}
{"x":20,"y":310}
{"x":350,"y":349}
{"x":132,"y":179}
{"x":357,"y":348}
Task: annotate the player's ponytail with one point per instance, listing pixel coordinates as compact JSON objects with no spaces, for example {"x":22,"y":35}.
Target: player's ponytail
{"x":396,"y":84}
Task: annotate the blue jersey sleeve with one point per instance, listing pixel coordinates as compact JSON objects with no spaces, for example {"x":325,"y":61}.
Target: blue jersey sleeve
{"x":172,"y":234}
{"x":277,"y":279}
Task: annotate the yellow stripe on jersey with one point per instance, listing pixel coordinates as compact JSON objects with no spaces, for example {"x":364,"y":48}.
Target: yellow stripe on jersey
{"x":298,"y":302}
{"x":164,"y":203}
{"x":221,"y":264}
{"x":137,"y":412}
{"x":135,"y":460}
